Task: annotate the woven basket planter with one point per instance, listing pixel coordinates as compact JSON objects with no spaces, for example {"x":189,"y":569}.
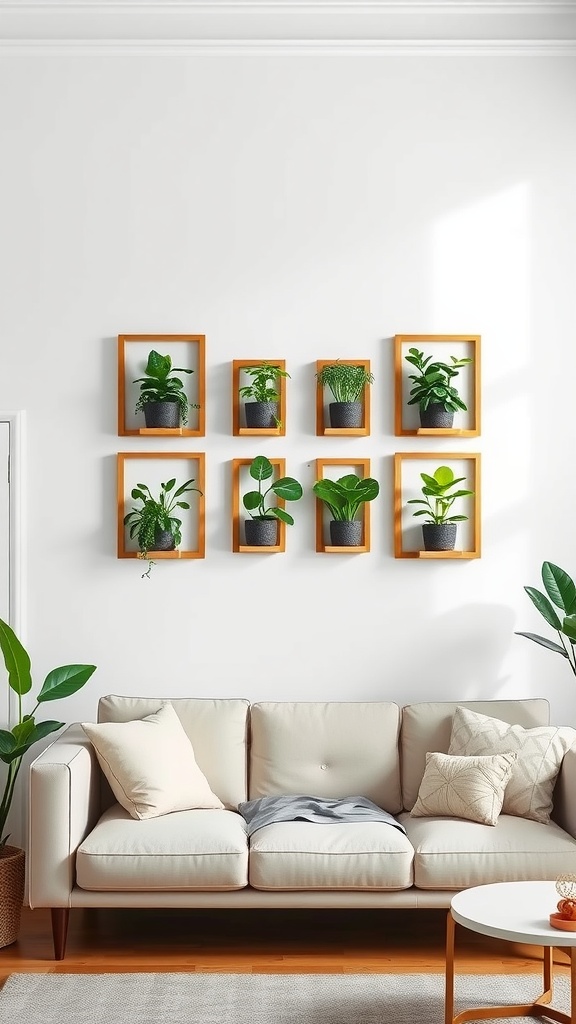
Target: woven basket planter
{"x":12,"y":860}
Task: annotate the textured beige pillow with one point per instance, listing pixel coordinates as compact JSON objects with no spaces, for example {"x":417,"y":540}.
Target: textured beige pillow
{"x":540,"y":751}
{"x":150,"y":764}
{"x":463,"y":787}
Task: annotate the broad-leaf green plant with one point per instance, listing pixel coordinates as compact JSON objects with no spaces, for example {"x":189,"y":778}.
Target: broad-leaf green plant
{"x":438,"y":496}
{"x":432,"y":384}
{"x":15,"y":743}
{"x":261,"y":388}
{"x":345,"y":382}
{"x":286,"y":487}
{"x":154,"y":514}
{"x":160,"y":386}
{"x":560,"y":594}
{"x":343,"y":497}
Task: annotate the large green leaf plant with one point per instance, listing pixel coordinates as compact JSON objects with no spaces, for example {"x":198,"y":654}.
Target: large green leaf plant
{"x":344,"y":497}
{"x":14,"y":743}
{"x":560,"y":594}
{"x":286,"y":487}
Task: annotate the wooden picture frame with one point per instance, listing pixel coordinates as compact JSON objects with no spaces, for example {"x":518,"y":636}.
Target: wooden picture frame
{"x":155,"y":467}
{"x":238,"y":466}
{"x":407,"y":466}
{"x":188,"y":350}
{"x":239,"y":428}
{"x":406,"y":421}
{"x":354,"y":465}
{"x":323,"y":429}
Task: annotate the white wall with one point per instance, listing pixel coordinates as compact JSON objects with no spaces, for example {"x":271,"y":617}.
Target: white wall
{"x":300,"y":208}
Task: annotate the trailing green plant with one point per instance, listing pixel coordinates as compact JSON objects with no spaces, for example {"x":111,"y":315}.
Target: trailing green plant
{"x":432,"y":384}
{"x":286,"y":487}
{"x":346,"y":382}
{"x":438,"y":498}
{"x":262,"y":387}
{"x":154,"y":514}
{"x":14,"y":743}
{"x":560,"y":594}
{"x":160,"y":386}
{"x":344,"y":497}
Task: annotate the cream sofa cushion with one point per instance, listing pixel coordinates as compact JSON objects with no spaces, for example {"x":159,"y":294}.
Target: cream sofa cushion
{"x":187,"y":850}
{"x":540,"y":751}
{"x":306,"y":855}
{"x":150,"y":765}
{"x":217,"y":729}
{"x":427,"y":726}
{"x":455,"y":854}
{"x":464,"y":787}
{"x":333,"y":749}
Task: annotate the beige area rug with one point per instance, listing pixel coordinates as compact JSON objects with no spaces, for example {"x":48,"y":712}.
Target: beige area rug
{"x":257,"y":998}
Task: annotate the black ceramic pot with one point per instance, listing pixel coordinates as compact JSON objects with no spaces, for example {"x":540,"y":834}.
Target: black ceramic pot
{"x":164,"y":540}
{"x":162,"y":414}
{"x":436,"y":416}
{"x":439,"y":536}
{"x":346,"y":533}
{"x":261,"y":533}
{"x":345,"y":414}
{"x":261,"y":415}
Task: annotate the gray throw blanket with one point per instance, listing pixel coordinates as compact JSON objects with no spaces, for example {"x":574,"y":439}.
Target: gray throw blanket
{"x":268,"y":809}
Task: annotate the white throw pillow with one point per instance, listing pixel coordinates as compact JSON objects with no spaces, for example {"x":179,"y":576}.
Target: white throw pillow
{"x":150,"y":765}
{"x":463,"y":787}
{"x":540,"y":751}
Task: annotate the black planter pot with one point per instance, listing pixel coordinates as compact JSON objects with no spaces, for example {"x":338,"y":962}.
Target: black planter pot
{"x":436,"y":416}
{"x":345,"y":414}
{"x":261,"y":533}
{"x":164,"y":541}
{"x":162,"y":414}
{"x":439,"y":536}
{"x":261,"y":415}
{"x":346,"y":533}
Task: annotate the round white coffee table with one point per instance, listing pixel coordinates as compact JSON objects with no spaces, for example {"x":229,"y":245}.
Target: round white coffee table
{"x":518,"y":912}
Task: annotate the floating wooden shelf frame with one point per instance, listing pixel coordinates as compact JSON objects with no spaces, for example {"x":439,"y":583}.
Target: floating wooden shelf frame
{"x":322,"y":416}
{"x":472,"y":483}
{"x":239,"y":427}
{"x":195,"y":469}
{"x":466,"y":345}
{"x":237,"y":508}
{"x":352,"y":465}
{"x":193,"y":357}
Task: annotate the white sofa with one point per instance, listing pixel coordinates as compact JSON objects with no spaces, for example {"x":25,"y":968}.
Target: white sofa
{"x":86,"y":851}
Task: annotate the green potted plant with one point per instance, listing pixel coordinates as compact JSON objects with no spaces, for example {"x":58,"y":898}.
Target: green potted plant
{"x":14,"y":744}
{"x":346,"y":383}
{"x":439,"y":530}
{"x":262,"y":411}
{"x":560,"y":594}
{"x":152,"y":522}
{"x":261,"y":529}
{"x":432,"y":389}
{"x":162,"y":397}
{"x":343,"y":498}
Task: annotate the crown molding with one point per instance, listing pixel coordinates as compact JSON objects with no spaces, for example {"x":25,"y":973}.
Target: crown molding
{"x":284,"y":25}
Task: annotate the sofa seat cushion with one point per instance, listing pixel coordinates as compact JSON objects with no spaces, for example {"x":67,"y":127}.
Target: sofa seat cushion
{"x":450,"y":853}
{"x":196,"y":849}
{"x":352,"y":855}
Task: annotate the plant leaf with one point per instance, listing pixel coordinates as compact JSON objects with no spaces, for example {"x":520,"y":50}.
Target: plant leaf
{"x":549,"y":644}
{"x":287,"y":488}
{"x":281,"y":513}
{"x":251,"y":500}
{"x":158,"y":366}
{"x":569,"y":627}
{"x":541,"y":602}
{"x":560,"y":587}
{"x":261,"y":468}
{"x":64,"y":681}
{"x":16,"y":659}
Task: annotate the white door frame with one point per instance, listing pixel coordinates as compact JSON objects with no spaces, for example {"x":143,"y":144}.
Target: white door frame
{"x":16,"y":567}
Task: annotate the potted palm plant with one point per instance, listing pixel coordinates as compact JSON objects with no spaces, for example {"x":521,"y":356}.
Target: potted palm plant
{"x":560,"y":594}
{"x":163,"y":399}
{"x":346,"y":384}
{"x":14,"y":744}
{"x":343,"y":498}
{"x":152,"y":522}
{"x":262,"y":411}
{"x":439,"y":530}
{"x":433,"y":391}
{"x":261,"y":529}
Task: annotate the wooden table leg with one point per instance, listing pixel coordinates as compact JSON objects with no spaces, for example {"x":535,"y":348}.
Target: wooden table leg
{"x":449,"y":992}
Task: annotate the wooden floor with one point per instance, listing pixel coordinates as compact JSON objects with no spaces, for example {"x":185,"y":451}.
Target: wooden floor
{"x":260,"y":941}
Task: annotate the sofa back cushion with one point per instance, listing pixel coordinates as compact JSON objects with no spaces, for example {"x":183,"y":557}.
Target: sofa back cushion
{"x":427,"y":726}
{"x":217,"y":730}
{"x":334,"y":749}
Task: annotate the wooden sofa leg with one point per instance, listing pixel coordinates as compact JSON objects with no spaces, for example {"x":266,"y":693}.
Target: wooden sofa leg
{"x":60,"y":918}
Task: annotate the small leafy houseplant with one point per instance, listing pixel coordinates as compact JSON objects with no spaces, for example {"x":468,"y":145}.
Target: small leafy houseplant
{"x":163,"y":399}
{"x":262,"y":411}
{"x":433,"y":391}
{"x":346,"y":383}
{"x":560,"y":594}
{"x":343,"y":499}
{"x":152,"y":522}
{"x":439,"y":530}
{"x":261,"y":529}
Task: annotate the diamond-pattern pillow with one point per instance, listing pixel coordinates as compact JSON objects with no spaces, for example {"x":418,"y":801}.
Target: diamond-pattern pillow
{"x":463,"y":787}
{"x":540,"y":751}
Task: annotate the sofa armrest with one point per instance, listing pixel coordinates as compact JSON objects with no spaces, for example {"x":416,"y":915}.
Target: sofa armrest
{"x":64,"y":807}
{"x":564,"y":813}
